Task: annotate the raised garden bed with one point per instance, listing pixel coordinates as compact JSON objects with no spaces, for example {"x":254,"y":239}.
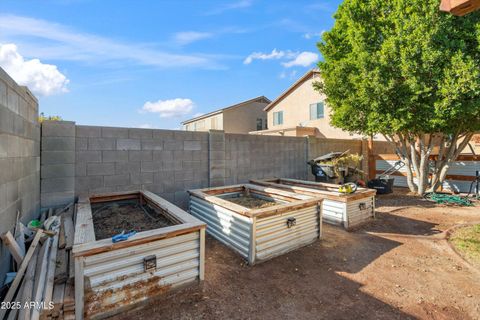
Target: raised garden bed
{"x":258,"y":222}
{"x":349,"y":210}
{"x":167,"y":251}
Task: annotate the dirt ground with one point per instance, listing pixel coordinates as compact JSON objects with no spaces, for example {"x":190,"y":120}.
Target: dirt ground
{"x":252,"y":202}
{"x":398,"y":267}
{"x":113,"y":218}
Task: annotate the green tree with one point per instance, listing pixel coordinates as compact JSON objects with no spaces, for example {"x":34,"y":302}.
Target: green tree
{"x":42,"y":117}
{"x":406,"y":70}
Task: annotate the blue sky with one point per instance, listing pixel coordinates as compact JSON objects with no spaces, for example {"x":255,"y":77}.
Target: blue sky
{"x":156,"y":63}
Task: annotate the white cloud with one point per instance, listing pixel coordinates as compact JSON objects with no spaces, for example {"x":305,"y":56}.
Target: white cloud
{"x":55,"y":41}
{"x":290,"y":75}
{"x":303,"y":59}
{"x":310,"y":35}
{"x":188,"y":37}
{"x":275,"y":54}
{"x":169,"y":108}
{"x":42,"y":79}
{"x":241,"y":4}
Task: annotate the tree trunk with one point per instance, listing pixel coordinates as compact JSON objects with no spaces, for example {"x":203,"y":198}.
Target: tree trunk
{"x":415,"y":152}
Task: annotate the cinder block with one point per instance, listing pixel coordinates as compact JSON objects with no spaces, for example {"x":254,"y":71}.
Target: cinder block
{"x":88,"y":183}
{"x":130,"y":187}
{"x":155,"y":188}
{"x":128,"y":144}
{"x":80,"y":169}
{"x":150,"y":166}
{"x":163,"y":177}
{"x":101,"y":144}
{"x":217,"y":145}
{"x":100,"y":169}
{"x":56,"y":198}
{"x":58,"y":185}
{"x":81,"y":144}
{"x":163,"y":155}
{"x":58,"y":171}
{"x":3,"y":93}
{"x":144,"y":155}
{"x":173,"y":145}
{"x":127,"y":167}
{"x":217,"y":155}
{"x":136,"y":133}
{"x":152,"y":145}
{"x":141,"y":178}
{"x":88,"y":132}
{"x":58,"y":129}
{"x":182,"y":155}
{"x":12,"y":191}
{"x":58,"y":143}
{"x":192,"y":145}
{"x":3,"y":196}
{"x":114,"y":156}
{"x":12,"y":100}
{"x":110,"y":132}
{"x":88,"y":156}
{"x":183,"y":175}
{"x":57,"y":157}
{"x":6,"y":120}
{"x":163,"y":134}
{"x":3,"y":145}
{"x":116,"y":180}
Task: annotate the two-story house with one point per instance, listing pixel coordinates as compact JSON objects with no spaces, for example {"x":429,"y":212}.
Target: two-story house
{"x":242,"y":117}
{"x":301,"y":110}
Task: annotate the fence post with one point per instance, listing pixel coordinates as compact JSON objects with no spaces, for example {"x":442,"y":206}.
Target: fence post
{"x":372,"y":166}
{"x":216,"y":158}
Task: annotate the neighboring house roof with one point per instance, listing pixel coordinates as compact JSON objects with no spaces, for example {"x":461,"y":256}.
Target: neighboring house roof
{"x":257,"y":99}
{"x":292,"y":88}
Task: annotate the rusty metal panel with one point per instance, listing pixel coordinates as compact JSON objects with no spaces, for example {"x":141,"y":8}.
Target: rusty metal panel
{"x":230,"y":228}
{"x":118,"y":278}
{"x":276,"y":235}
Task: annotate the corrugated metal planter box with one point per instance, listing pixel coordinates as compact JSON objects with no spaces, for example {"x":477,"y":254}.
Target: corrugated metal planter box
{"x":111,"y":277}
{"x":258,"y":234}
{"x":349,"y":210}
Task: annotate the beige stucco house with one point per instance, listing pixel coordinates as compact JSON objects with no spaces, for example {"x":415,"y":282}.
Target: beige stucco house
{"x":301,"y":111}
{"x":242,"y":117}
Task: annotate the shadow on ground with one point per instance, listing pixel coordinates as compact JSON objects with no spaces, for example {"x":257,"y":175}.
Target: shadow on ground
{"x":299,"y":285}
{"x":363,"y":274}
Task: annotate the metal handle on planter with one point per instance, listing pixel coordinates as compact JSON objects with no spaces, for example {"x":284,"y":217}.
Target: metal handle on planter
{"x":291,"y":222}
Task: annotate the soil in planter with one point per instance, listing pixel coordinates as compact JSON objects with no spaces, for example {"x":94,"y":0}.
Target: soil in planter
{"x":112,"y":218}
{"x":252,"y":202}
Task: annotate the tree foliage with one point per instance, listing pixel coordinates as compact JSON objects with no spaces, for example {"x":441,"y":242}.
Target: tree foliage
{"x":42,"y":117}
{"x":404,"y":69}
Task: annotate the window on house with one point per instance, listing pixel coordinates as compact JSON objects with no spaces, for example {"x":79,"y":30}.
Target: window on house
{"x":186,"y":127}
{"x":277,"y":118}
{"x":259,"y":123}
{"x":214,"y":122}
{"x":316,"y":111}
{"x":265,"y":124}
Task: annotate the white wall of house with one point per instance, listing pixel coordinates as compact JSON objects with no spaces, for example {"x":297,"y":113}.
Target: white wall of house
{"x":296,"y":111}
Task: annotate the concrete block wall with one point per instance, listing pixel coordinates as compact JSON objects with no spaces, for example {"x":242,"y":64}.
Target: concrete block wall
{"x":57,"y":163}
{"x":255,"y":157}
{"x":19,"y":159}
{"x":85,"y":160}
{"x":165,"y":162}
